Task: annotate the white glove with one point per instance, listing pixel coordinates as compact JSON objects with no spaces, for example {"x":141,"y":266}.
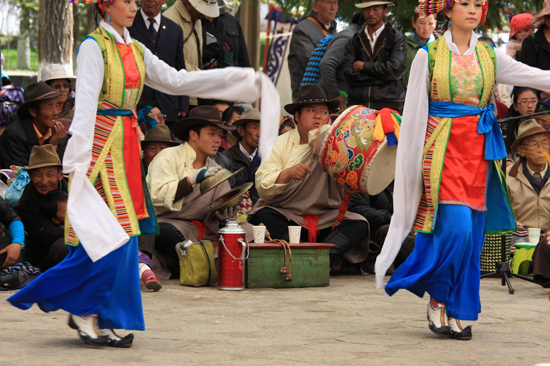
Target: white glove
{"x":203,"y":173}
{"x":227,"y":213}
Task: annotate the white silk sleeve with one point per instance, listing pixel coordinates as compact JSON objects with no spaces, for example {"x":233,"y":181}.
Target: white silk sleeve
{"x":512,"y":72}
{"x":237,"y":84}
{"x":408,"y":169}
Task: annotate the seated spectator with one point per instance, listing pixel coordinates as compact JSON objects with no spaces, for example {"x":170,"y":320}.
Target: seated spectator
{"x":11,"y":97}
{"x":54,"y":207}
{"x":229,"y":116}
{"x":378,"y":210}
{"x":286,"y":124}
{"x":36,"y":125}
{"x":13,"y":244}
{"x":529,"y":188}
{"x":173,"y":180}
{"x":45,"y":245}
{"x":295,"y":190}
{"x":156,"y":140}
{"x":55,"y":76}
{"x":244,"y":154}
{"x":525,"y":101}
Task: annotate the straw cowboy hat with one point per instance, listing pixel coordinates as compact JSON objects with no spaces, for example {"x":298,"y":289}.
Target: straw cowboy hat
{"x":54,"y":72}
{"x":369,"y":3}
{"x":201,"y":116}
{"x":209,"y":8}
{"x":311,"y":94}
{"x":35,"y":93}
{"x":250,"y":115}
{"x":43,"y":156}
{"x":161,"y":133}
{"x":527,"y":129}
{"x":538,"y":19}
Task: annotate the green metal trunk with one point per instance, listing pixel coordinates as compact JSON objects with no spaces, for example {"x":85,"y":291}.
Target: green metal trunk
{"x":310,"y":265}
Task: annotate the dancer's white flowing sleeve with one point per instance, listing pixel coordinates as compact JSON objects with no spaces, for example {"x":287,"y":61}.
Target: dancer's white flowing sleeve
{"x":93,"y":222}
{"x":408,"y":168}
{"x":512,"y":72}
{"x":231,"y":83}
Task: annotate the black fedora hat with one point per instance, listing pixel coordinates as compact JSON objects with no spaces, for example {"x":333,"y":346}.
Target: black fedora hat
{"x":311,"y":94}
{"x":201,"y":116}
{"x":35,"y":93}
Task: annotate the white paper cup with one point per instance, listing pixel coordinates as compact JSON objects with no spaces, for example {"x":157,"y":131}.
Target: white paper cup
{"x":259,"y":234}
{"x":294,"y":234}
{"x":534,"y":235}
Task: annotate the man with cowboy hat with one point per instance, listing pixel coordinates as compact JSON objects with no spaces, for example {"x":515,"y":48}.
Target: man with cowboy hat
{"x":45,"y":244}
{"x":376,"y":60}
{"x":187,"y":14}
{"x":156,"y":140}
{"x":529,"y":188}
{"x":294,"y":189}
{"x":174,"y":183}
{"x":244,"y":154}
{"x":36,"y":124}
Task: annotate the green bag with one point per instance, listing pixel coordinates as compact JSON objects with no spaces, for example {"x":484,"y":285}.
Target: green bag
{"x":197,"y":267}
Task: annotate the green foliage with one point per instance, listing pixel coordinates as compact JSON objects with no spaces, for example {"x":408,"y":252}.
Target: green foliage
{"x":13,"y":58}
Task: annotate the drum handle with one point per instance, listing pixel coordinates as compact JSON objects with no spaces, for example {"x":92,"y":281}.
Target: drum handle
{"x":243,"y":243}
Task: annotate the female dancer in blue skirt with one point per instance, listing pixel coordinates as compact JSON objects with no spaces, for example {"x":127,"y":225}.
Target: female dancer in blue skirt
{"x":109,"y":206}
{"x":448,"y":184}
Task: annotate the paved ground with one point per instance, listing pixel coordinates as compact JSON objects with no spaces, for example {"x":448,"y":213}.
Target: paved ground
{"x":347,"y":323}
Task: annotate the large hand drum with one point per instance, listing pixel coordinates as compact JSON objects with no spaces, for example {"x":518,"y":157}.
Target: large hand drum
{"x":352,"y":155}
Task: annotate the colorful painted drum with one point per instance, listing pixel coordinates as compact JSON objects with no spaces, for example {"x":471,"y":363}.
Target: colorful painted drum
{"x":353,"y":157}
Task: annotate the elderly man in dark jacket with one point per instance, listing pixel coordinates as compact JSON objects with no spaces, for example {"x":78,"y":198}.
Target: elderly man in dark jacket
{"x":36,"y":124}
{"x":376,"y":60}
{"x":306,"y":35}
{"x":45,"y":244}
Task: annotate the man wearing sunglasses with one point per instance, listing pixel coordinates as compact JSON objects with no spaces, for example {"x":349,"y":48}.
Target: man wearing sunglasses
{"x":57,"y":78}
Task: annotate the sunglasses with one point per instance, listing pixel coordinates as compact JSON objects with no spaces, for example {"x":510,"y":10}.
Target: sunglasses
{"x":61,"y":85}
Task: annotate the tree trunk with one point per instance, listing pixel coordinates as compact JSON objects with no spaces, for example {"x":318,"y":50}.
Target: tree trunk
{"x":55,"y":33}
{"x":23,"y":41}
{"x":90,"y":19}
{"x":76,"y":30}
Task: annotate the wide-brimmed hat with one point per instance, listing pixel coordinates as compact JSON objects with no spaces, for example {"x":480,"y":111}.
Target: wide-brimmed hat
{"x":54,"y":72}
{"x":43,"y":156}
{"x":34,"y":93}
{"x":538,"y":19}
{"x":161,"y":133}
{"x":369,"y":3}
{"x":519,"y":22}
{"x":250,"y":115}
{"x":527,"y":129}
{"x":201,"y":116}
{"x":311,"y":94}
{"x":209,"y":8}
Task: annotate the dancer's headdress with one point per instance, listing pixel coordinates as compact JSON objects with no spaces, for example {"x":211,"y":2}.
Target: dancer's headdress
{"x":432,"y":7}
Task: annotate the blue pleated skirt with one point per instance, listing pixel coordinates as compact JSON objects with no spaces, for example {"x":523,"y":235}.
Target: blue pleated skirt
{"x":108,"y":287}
{"x":446,"y":264}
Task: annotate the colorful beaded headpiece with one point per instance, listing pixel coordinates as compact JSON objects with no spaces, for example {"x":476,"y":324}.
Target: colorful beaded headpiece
{"x":432,"y":7}
{"x":87,"y":1}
